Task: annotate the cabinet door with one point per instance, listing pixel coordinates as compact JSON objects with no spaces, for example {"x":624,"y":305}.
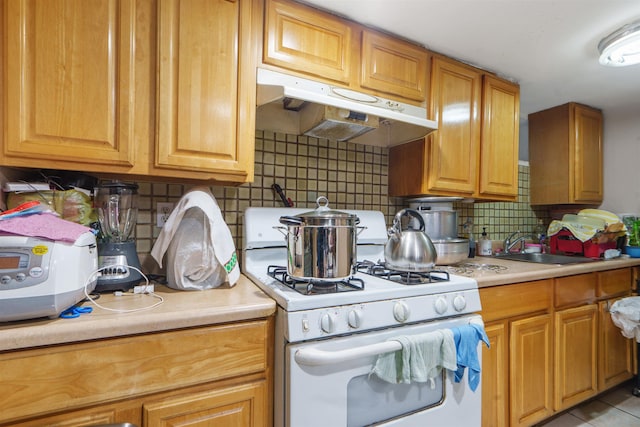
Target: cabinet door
{"x":453,"y":153}
{"x":308,"y":41}
{"x":495,"y":378}
{"x":587,"y":151}
{"x":575,"y":355}
{"x":615,"y":352}
{"x":206,"y":87}
{"x":530,"y":370}
{"x":499,"y":142}
{"x":69,"y":97}
{"x":243,"y":405}
{"x":395,"y":67}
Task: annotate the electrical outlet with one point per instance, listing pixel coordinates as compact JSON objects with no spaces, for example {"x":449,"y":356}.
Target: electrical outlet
{"x":163,"y":210}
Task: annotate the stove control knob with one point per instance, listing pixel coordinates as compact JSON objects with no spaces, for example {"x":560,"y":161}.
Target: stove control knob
{"x":440,"y":305}
{"x":401,"y":311}
{"x":459,"y":303}
{"x":328,"y":322}
{"x":355,"y":318}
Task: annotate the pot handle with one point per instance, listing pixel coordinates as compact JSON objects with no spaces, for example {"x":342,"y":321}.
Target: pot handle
{"x":360,"y":228}
{"x":291,"y":220}
{"x":282,"y":229}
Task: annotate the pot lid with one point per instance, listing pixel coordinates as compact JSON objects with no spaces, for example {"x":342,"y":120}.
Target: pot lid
{"x":324,"y":212}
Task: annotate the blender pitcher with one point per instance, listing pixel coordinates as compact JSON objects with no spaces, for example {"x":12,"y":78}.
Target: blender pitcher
{"x":117,"y":206}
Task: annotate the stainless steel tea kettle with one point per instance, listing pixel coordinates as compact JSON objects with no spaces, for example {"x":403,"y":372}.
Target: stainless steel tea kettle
{"x":409,"y":250}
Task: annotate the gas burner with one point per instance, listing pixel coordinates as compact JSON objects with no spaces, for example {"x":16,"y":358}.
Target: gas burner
{"x":312,"y":286}
{"x":378,"y":269}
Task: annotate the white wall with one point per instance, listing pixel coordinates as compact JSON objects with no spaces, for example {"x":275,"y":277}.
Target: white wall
{"x":621,"y":146}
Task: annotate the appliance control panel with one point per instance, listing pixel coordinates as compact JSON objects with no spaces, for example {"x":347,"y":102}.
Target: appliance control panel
{"x":347,"y":319}
{"x":25,"y":265}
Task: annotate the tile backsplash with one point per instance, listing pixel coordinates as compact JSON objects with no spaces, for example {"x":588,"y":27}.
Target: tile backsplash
{"x":351,"y":176}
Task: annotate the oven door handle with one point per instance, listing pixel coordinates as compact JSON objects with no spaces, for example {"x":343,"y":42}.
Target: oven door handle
{"x":314,"y":357}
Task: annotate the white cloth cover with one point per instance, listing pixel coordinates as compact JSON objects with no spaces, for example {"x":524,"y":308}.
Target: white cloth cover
{"x":200,"y":250}
{"x":625,"y":314}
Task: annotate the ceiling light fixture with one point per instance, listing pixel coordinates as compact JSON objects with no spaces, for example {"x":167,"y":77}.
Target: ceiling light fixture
{"x":622,"y":47}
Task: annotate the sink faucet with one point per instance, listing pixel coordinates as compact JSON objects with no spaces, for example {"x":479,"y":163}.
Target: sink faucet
{"x":510,"y":244}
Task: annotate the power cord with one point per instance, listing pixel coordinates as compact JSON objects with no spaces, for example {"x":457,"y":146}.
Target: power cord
{"x":147,"y":290}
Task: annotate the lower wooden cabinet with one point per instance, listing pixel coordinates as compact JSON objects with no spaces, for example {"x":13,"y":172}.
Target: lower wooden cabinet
{"x":576,"y":342}
{"x":530,"y":369}
{"x":553,"y":345}
{"x":495,"y":377}
{"x":615,"y":353}
{"x":516,"y":369}
{"x":212,"y":375}
{"x":242,"y":405}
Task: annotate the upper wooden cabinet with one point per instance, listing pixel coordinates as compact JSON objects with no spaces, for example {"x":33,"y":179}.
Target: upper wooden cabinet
{"x":206,"y":88}
{"x":565,"y":155}
{"x":308,"y":41}
{"x":69,"y":70}
{"x":137,"y":87}
{"x":474,"y":152}
{"x":394,"y":66}
{"x":337,"y":51}
{"x":499,"y":140}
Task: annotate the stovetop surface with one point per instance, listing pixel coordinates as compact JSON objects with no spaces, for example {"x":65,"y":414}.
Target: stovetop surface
{"x":256,"y":264}
{"x":264,"y":245}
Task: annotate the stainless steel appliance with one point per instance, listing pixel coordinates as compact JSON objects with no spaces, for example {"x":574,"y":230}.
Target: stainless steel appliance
{"x":328,"y":333}
{"x":40,"y":277}
{"x":117,"y":206}
{"x":441,"y":225}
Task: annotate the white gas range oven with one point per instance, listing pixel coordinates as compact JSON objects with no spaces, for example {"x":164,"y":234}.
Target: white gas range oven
{"x":329,"y":334}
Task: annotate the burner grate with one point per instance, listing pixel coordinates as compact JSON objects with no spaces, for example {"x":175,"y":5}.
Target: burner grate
{"x":313,"y":286}
{"x":378,"y":269}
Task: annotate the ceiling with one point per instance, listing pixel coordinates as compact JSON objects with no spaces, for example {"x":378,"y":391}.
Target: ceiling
{"x":549,"y":47}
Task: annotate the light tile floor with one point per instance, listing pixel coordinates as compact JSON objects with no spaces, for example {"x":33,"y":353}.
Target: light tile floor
{"x":616,"y":408}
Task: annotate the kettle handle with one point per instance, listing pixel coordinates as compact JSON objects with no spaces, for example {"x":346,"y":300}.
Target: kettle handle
{"x":408,"y":212}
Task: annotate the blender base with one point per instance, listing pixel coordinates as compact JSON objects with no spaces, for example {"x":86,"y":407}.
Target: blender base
{"x":114,"y":260}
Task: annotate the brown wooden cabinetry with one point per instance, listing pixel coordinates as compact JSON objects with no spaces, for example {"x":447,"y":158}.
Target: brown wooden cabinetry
{"x":565,"y":155}
{"x":518,"y":377}
{"x":562,"y":349}
{"x":69,"y":70}
{"x":82,"y":88}
{"x":309,"y":41}
{"x":220,"y":372}
{"x":474,"y":152}
{"x":575,"y":355}
{"x":394,"y":67}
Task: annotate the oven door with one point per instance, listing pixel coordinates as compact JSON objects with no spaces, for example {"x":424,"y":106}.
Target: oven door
{"x":328,"y":384}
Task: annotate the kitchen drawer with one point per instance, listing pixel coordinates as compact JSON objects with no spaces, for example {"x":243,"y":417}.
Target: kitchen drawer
{"x":499,"y":302}
{"x":613,"y":282}
{"x":72,"y":376}
{"x":575,"y":290}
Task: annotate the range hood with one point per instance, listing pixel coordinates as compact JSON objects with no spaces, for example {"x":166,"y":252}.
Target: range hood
{"x":300,"y":106}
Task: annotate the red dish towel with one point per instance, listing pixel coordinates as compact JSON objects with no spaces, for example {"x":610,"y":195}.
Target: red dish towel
{"x":45,"y":225}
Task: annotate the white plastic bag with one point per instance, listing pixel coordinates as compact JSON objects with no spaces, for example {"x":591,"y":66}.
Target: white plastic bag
{"x":625,"y":314}
{"x":199,"y":248}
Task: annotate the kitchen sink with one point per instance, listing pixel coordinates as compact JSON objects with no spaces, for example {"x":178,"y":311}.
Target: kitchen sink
{"x":545,"y":258}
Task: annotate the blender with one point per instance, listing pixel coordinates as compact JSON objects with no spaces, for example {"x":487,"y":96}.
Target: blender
{"x":117,"y":206}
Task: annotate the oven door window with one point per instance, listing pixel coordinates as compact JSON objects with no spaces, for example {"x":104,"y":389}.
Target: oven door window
{"x":371,"y":400}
